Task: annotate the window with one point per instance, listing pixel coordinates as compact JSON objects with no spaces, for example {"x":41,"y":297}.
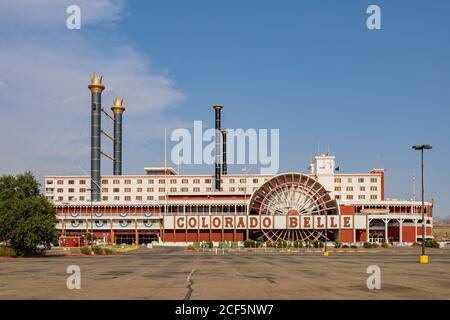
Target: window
{"x":349,"y":188}
{"x":127,"y":181}
{"x":115,"y":181}
{"x":243,"y":181}
{"x":161,"y":189}
{"x":349,"y":197}
{"x":71,"y":181}
{"x":185,"y":181}
{"x":373,"y":197}
{"x":361,"y":180}
{"x":104,"y":181}
{"x":127,"y":189}
{"x":232,"y":181}
{"x":116,"y":198}
{"x":150,"y":189}
{"x":127,"y":198}
{"x":173,"y":181}
{"x":60,"y":198}
{"x":82,"y":189}
{"x":208,"y":181}
{"x":138,"y":198}
{"x":162,"y":198}
{"x":81,"y":198}
{"x":232,"y":189}
{"x":71,"y":190}
{"x":105,"y":198}
{"x":60,"y":190}
{"x":161,"y":181}
{"x":373,"y":180}
{"x":151,"y":181}
{"x":60,"y":182}
{"x":196,"y":181}
{"x":362,"y":188}
{"x":139,"y":189}
{"x":104,"y":189}
{"x":349,"y":179}
{"x":337,"y":180}
{"x":149,"y":197}
{"x":373,"y":188}
{"x":116,"y":189}
{"x":184,"y":189}
{"x":49,"y":181}
{"x":255,"y":180}
{"x":361,"y":197}
{"x":337,"y":188}
{"x":82,"y":181}
{"x":173,"y":189}
{"x":139,"y":181}
{"x":209,"y":189}
{"x":337,"y":197}
{"x":196,"y":189}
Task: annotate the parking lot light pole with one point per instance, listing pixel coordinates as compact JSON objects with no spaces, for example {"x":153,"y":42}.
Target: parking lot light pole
{"x":423,"y":257}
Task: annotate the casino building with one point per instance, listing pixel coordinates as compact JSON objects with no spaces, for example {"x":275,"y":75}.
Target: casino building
{"x":164,"y":206}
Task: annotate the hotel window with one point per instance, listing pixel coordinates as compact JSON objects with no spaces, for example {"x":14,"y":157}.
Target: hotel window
{"x":71,"y":198}
{"x":232,"y":189}
{"x":116,"y":190}
{"x":337,"y":188}
{"x":81,"y":198}
{"x":60,"y":182}
{"x":82,"y":189}
{"x":373,"y":180}
{"x":349,"y":188}
{"x":71,"y":190}
{"x":337,"y":180}
{"x":104,"y":189}
{"x":49,"y":181}
{"x":139,"y":198}
{"x":82,"y":181}
{"x":349,"y":197}
{"x":115,"y":181}
{"x":139,"y":189}
{"x":373,"y":188}
{"x":127,"y":189}
{"x":361,"y":180}
{"x":232,"y":181}
{"x":173,"y":181}
{"x":150,"y":189}
{"x":161,"y":181}
{"x":127,"y":198}
{"x":173,"y":189}
{"x":162,"y":198}
{"x":185,"y":181}
{"x":209,"y":189}
{"x":255,"y":180}
{"x":349,"y":179}
{"x":162,"y":190}
{"x":242,"y":189}
{"x":184,"y":189}
{"x":361,"y":197}
{"x":60,"y":198}
{"x":105,"y":198}
{"x":208,"y":181}
{"x":337,"y":197}
{"x":71,"y":181}
{"x":373,"y":197}
{"x":196,"y":189}
{"x":116,"y":198}
{"x":362,"y":188}
{"x":139,"y":181}
{"x":60,"y":190}
{"x":149,"y":197}
{"x":105,"y":181}
{"x":196,"y":181}
{"x":150,"y":181}
{"x":127,"y":181}
{"x":243,"y":181}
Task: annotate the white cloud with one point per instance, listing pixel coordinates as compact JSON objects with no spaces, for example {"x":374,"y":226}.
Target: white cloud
{"x":45,"y":102}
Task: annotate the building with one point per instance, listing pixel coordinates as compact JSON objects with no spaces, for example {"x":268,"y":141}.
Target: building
{"x":163,"y":206}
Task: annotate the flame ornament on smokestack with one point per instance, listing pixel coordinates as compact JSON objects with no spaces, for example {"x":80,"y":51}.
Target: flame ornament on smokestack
{"x":96,"y":88}
{"x":224,"y":152}
{"x":218,"y":109}
{"x":118,"y":110}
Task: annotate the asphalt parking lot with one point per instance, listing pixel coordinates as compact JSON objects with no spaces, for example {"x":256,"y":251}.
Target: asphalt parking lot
{"x":162,"y":273}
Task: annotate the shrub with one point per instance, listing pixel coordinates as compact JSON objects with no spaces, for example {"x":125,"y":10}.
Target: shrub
{"x":375,"y":245}
{"x":354,"y":246}
{"x":85,"y":250}
{"x":345,"y":246}
{"x":367,"y":245}
{"x":269,"y":244}
{"x":97,"y":250}
{"x":298,"y":244}
{"x":191,"y":248}
{"x":107,"y":251}
{"x":431,"y":244}
{"x":337,"y":244}
{"x":282,"y":244}
{"x":209,"y":245}
{"x":248,"y":243}
{"x":385,"y":245}
{"x":197,"y":245}
{"x":7,"y":252}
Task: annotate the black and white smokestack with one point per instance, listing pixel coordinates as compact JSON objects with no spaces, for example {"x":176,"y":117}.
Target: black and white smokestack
{"x":96,"y":88}
{"x":118,"y":110}
{"x":218,"y":109}
{"x":224,"y":152}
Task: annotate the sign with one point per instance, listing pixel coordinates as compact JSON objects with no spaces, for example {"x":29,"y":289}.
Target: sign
{"x":258,"y":222}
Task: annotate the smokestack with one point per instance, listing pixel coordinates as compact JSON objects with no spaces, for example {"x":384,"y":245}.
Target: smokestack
{"x":118,"y":110}
{"x":96,"y":88}
{"x":218,"y":109}
{"x":224,"y":152}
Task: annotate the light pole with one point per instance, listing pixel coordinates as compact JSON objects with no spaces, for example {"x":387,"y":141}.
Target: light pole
{"x":325,"y":252}
{"x":423,"y":257}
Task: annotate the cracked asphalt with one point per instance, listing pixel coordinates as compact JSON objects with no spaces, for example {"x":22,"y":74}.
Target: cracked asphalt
{"x":168,"y":273}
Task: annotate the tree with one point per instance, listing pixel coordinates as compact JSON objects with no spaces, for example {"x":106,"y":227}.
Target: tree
{"x":27,"y":219}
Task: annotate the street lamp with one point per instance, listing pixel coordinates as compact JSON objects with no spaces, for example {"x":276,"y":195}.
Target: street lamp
{"x":325,"y":253}
{"x":423,"y":257}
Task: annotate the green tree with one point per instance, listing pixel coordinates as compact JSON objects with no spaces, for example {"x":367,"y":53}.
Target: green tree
{"x":27,"y":219}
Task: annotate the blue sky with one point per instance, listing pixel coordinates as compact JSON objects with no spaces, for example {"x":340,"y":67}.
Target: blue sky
{"x":310,"y":68}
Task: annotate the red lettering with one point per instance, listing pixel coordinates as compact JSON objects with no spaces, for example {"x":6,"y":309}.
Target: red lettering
{"x":347,"y":222}
{"x":293,"y":222}
{"x":179,"y":225}
{"x":332,"y":223}
{"x":241,"y":223}
{"x":192,"y":222}
{"x":204,"y":224}
{"x":319,"y":223}
{"x":216,"y":222}
{"x":267,"y":222}
{"x":228,"y":222}
{"x":253,"y":222}
{"x":306,"y":222}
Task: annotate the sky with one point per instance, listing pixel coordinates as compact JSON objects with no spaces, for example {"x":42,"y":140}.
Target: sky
{"x":311,"y":69}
